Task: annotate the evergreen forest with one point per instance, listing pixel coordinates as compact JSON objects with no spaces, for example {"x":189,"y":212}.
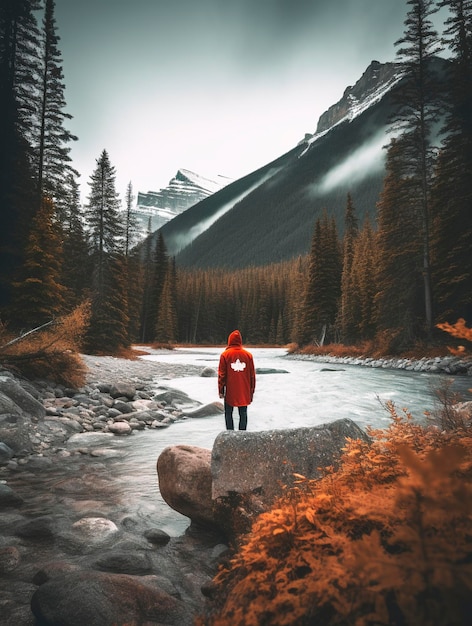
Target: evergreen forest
{"x":388,"y":281}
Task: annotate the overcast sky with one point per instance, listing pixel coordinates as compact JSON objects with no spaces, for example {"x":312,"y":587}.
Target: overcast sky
{"x":219,"y":87}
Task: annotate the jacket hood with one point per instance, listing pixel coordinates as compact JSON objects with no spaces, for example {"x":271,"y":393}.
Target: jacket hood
{"x":235,"y":339}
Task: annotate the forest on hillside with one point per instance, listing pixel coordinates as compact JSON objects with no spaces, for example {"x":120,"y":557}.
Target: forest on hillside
{"x":388,"y":281}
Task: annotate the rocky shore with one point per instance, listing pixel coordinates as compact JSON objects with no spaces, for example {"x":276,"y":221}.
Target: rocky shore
{"x":70,"y":548}
{"x":452,"y":365}
{"x":65,"y":532}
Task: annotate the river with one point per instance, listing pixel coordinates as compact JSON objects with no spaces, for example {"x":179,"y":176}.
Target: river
{"x":300,"y":394}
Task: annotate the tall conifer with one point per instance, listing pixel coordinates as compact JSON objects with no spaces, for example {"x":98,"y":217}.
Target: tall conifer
{"x":18,"y":73}
{"x":417,"y":111}
{"x":52,"y":144}
{"x":452,"y":206}
{"x":363,"y":281}
{"x":109,"y":321}
{"x":399,"y":301}
{"x":324,"y":284}
{"x":347,"y":315}
{"x":77,"y":266}
{"x":38,"y":293}
{"x":158,"y":272}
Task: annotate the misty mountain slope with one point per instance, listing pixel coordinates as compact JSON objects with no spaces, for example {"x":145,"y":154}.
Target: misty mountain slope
{"x":269,"y":215}
{"x":275,"y":221}
{"x":187,"y":226}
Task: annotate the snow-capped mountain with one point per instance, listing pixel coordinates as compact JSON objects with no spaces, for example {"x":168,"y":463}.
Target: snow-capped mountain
{"x":269,"y":215}
{"x":184,"y":190}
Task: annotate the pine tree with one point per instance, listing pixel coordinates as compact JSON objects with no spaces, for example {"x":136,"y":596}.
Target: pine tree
{"x":417,"y":111}
{"x":159,"y":268}
{"x":18,"y":69}
{"x":452,"y":222}
{"x":131,"y":227}
{"x":102,"y":217}
{"x":398,"y":300}
{"x":166,"y":325}
{"x":134,"y":266}
{"x":324,"y":283}
{"x":38,"y":294}
{"x":76,"y":267}
{"x":109,"y":322}
{"x":364,"y":286}
{"x":347,"y":311}
{"x":51,"y":146}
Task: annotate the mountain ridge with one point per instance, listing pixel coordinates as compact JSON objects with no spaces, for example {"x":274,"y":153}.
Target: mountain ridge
{"x":269,"y":215}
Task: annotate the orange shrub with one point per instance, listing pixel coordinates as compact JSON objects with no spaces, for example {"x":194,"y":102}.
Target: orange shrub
{"x":383,"y":540}
{"x":51,"y":353}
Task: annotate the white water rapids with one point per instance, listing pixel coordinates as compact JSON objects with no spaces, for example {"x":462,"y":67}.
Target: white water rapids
{"x":308,"y":394}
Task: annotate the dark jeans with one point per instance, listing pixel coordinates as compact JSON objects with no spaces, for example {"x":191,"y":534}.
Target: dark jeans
{"x":229,"y":417}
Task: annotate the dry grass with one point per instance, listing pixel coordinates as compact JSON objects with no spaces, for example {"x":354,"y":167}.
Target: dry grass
{"x":52,"y":352}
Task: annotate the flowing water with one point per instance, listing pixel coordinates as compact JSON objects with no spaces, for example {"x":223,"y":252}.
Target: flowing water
{"x":300,"y":394}
{"x":295,"y":394}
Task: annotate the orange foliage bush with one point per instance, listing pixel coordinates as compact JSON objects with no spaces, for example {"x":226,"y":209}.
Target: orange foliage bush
{"x":383,"y":540}
{"x":51,"y":353}
{"x":460,"y":331}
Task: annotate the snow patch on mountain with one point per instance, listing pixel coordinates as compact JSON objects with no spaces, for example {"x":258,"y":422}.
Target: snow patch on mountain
{"x":184,"y":239}
{"x":155,"y":208}
{"x":370,"y":89}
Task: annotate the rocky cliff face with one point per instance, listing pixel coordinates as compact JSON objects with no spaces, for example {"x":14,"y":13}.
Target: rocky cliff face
{"x":182,"y":192}
{"x":374,"y":82}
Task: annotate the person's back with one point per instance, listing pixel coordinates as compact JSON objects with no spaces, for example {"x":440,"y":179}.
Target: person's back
{"x":236,"y":379}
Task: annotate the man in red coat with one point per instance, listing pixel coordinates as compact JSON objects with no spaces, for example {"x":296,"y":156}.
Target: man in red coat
{"x":236,"y":380}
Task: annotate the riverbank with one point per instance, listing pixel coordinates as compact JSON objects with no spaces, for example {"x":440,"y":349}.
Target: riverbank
{"x":65,"y":524}
{"x":450,"y":364}
{"x":64,"y":518}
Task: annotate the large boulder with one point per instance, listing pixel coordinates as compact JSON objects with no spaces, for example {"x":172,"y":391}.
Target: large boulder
{"x":100,"y":599}
{"x":251,"y":469}
{"x":17,"y":408}
{"x":15,"y":430}
{"x":246,"y":471}
{"x":24,"y":402}
{"x":261,"y":462}
{"x":184,"y":474}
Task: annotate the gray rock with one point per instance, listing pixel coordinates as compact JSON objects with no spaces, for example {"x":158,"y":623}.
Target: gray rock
{"x":209,"y":372}
{"x":99,"y":599}
{"x":122,"y":390}
{"x":137,"y":564}
{"x":261,"y":462}
{"x":185,"y":481}
{"x":8,"y":497}
{"x":6,"y":453}
{"x":21,"y":398}
{"x":89,"y":439}
{"x":249,"y":470}
{"x":169,"y":395}
{"x":39,"y":528}
{"x":122,"y":407}
{"x":214,"y":408}
{"x":15,"y":429}
{"x":157,"y":536}
{"x":38,"y":462}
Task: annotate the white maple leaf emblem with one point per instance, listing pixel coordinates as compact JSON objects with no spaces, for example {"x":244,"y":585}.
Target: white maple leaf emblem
{"x":238,"y":366}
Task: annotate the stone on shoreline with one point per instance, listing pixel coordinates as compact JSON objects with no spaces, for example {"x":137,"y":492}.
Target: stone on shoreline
{"x":184,"y":476}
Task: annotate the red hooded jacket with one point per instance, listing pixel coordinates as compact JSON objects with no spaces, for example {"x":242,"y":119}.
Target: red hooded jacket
{"x":236,"y":373}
